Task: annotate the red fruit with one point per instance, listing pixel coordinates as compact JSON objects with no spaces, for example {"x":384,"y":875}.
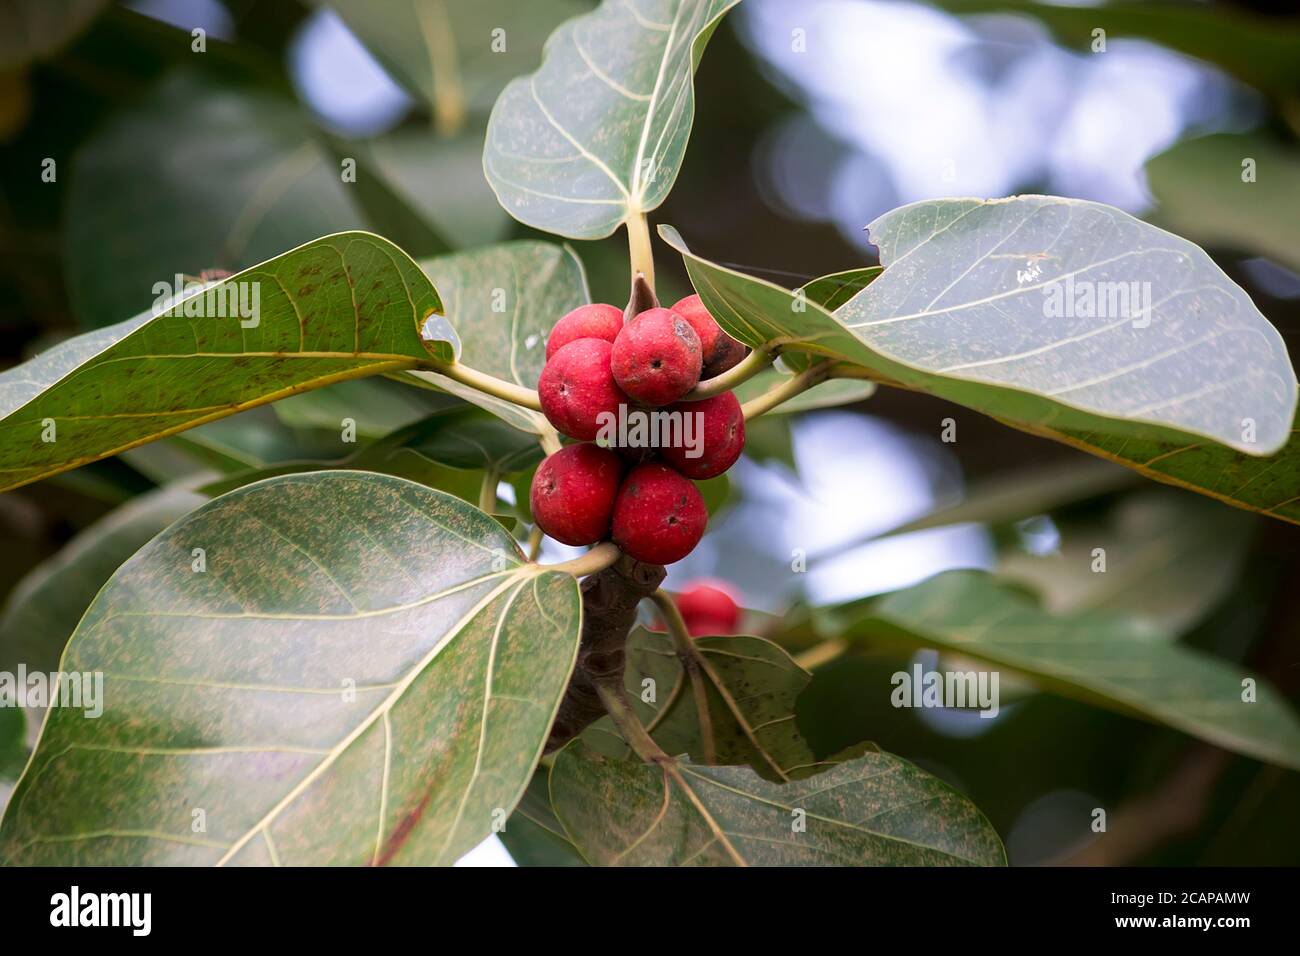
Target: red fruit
{"x":573,"y":493}
{"x":718,"y":350}
{"x":595,"y":321}
{"x":708,"y":608}
{"x":659,"y":516}
{"x":720,"y":435}
{"x":656,"y":358}
{"x":576,"y":387}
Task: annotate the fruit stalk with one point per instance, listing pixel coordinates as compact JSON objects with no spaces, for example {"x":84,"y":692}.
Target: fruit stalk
{"x":749,"y":366}
{"x":488,"y":384}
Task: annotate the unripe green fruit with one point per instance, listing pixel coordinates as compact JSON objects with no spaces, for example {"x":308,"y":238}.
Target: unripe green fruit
{"x":573,"y":493}
{"x":718,"y":350}
{"x":723,"y":437}
{"x":656,"y":358}
{"x":659,"y":516}
{"x":576,"y":386}
{"x":595,"y":321}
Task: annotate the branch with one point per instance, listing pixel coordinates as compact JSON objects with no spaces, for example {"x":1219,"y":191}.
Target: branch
{"x":488,"y":384}
{"x":689,"y":657}
{"x":609,"y":603}
{"x":614,"y":698}
{"x":549,"y":439}
{"x":812,"y":376}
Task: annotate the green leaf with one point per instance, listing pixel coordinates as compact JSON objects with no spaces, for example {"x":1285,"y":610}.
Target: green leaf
{"x":33,"y":29}
{"x":503,"y":301}
{"x":768,"y":438}
{"x":341,"y":307}
{"x":376,"y":406}
{"x":43,"y":610}
{"x":446,"y":51}
{"x":534,"y":835}
{"x":1198,"y":186}
{"x":441,"y":180}
{"x":839,"y":391}
{"x":198,"y":174}
{"x":965,"y":310}
{"x":832,"y":291}
{"x":448,"y":451}
{"x":1170,"y":559}
{"x":597,"y":135}
{"x":461,"y":438}
{"x":750,"y":686}
{"x":1262,"y":51}
{"x":252,"y":439}
{"x":365,"y":673}
{"x":877,"y":810}
{"x":1005,"y":498}
{"x":1106,"y":659}
{"x":13,"y":751}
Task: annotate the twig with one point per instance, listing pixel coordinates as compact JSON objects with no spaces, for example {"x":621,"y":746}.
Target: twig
{"x":688,"y":656}
{"x":488,"y":384}
{"x":808,"y":378}
{"x":609,"y":606}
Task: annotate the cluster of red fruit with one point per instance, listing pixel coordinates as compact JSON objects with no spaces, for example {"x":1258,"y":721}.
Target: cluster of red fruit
{"x":641,"y":497}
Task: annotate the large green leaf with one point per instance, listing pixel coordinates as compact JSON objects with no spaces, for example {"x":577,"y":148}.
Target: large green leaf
{"x":1169,"y":559}
{"x":376,"y":407}
{"x":340,"y":307}
{"x":441,"y":180}
{"x":43,"y":610}
{"x":832,"y":291}
{"x":1107,"y":659}
{"x":534,"y":835}
{"x":446,"y":51}
{"x":365,"y":673}
{"x":1270,"y":486}
{"x":1168,"y":399}
{"x":1261,"y":51}
{"x":31,"y":29}
{"x":749,"y":686}
{"x":450,"y":451}
{"x":1025,"y":493}
{"x":876,"y":810}
{"x":1200,"y":192}
{"x":597,"y":135}
{"x":964,"y":309}
{"x":463,"y":438}
{"x":198,"y":174}
{"x":503,"y":301}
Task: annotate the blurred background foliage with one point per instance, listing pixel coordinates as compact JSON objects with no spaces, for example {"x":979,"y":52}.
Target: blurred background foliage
{"x":173,"y":161}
